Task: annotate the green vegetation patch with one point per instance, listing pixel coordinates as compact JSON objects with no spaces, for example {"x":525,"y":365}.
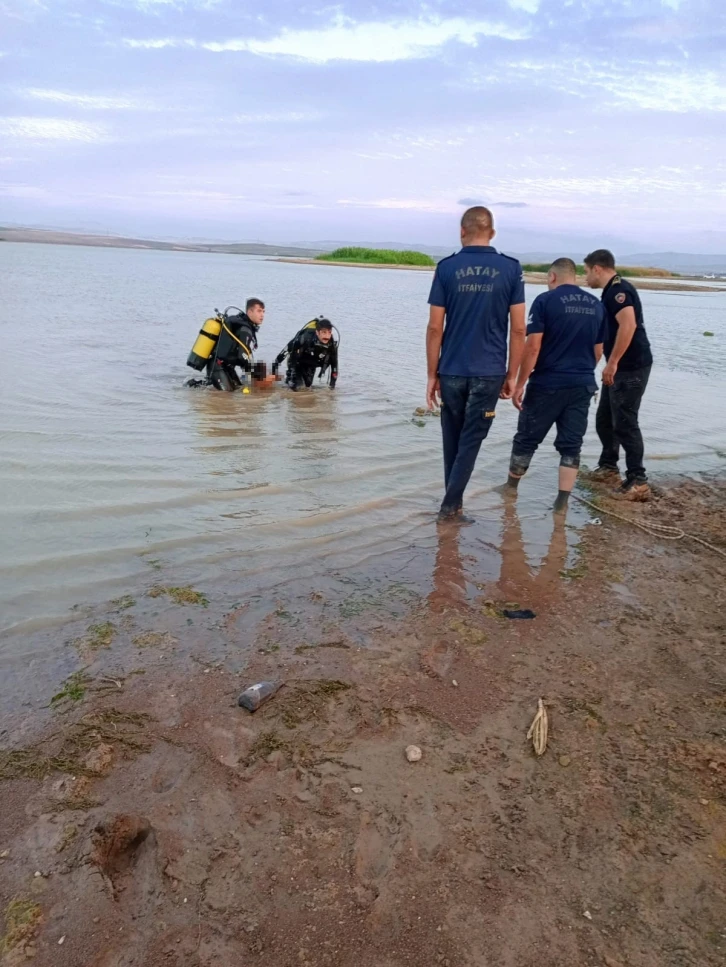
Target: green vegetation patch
{"x":377,"y":256}
{"x":98,"y":636}
{"x":21,"y":919}
{"x":123,"y":603}
{"x":183,"y":595}
{"x":74,"y":689}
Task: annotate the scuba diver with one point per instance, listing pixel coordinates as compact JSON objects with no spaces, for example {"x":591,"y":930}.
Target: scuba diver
{"x":226,"y":342}
{"x":312,"y":348}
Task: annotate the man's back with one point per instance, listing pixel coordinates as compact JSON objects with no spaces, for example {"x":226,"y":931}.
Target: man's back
{"x":476,"y":287}
{"x":572,"y":323}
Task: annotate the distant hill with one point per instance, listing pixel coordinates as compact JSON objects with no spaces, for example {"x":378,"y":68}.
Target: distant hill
{"x":682,"y":262}
{"x":48,"y":236}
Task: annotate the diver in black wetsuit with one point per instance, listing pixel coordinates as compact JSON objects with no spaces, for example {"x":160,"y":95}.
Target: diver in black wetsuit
{"x":311,"y":348}
{"x":235,"y":347}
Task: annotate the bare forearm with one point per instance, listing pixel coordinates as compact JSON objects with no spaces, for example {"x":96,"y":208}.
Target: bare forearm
{"x":517,"y":337}
{"x":529,"y":361}
{"x":516,"y":352}
{"x":626,"y":331}
{"x":434,"y":338}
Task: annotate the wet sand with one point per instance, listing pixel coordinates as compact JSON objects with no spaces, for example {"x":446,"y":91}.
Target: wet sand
{"x":532,"y":278}
{"x":148,"y":820}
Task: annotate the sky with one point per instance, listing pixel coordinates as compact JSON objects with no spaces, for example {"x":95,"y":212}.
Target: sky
{"x":579,"y":122}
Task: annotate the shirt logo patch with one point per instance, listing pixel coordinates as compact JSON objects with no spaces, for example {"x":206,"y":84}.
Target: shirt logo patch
{"x":620,"y":297}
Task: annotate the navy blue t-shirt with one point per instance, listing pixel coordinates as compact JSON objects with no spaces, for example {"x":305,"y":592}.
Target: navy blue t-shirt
{"x":476,"y":287}
{"x":573,"y":323}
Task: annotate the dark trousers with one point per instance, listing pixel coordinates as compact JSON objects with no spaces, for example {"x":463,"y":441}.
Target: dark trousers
{"x":567,"y":407}
{"x":300,"y":375}
{"x":223,"y":376}
{"x":467,"y":411}
{"x":617,"y":421}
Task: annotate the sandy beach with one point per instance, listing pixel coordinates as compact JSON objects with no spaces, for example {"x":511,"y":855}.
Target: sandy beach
{"x":533,"y":278}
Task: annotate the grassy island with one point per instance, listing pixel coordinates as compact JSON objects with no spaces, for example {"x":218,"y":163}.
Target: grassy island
{"x":376,"y":256}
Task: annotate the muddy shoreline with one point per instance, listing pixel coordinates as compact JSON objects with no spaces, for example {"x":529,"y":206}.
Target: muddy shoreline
{"x":149,"y":821}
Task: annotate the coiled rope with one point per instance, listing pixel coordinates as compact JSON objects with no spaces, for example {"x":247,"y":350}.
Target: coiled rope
{"x":665,"y":531}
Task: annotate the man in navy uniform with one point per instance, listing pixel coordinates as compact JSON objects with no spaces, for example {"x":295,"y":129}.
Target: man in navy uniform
{"x":476,"y":302}
{"x":565,"y":335}
{"x":624,"y":379}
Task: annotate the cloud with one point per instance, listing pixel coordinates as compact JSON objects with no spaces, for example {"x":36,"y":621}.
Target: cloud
{"x":470,"y":201}
{"x":399,"y":204}
{"x":510,"y":204}
{"x":158,"y":44}
{"x":346,"y":40}
{"x":91,"y":101}
{"x":51,"y":129}
{"x":629,"y":84}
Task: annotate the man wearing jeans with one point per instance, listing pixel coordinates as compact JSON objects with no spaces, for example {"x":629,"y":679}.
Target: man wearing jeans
{"x":479,"y":295}
{"x":624,"y":379}
{"x":565,"y":336}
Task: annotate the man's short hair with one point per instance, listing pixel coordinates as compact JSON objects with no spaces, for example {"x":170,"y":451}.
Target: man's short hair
{"x":477,"y":221}
{"x":563,"y":266}
{"x":601,"y":257}
{"x":251,"y":303}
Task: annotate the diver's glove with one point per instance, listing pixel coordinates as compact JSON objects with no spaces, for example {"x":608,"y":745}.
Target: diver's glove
{"x":333,"y":379}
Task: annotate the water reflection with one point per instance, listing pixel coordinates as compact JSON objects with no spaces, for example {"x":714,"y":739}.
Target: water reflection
{"x":519,"y":580}
{"x":516,"y":575}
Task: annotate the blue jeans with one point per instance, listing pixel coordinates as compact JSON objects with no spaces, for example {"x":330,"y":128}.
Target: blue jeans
{"x":467,"y":411}
{"x":543,"y":408}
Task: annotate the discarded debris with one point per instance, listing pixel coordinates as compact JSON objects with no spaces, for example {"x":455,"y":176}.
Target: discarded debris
{"x":538,"y":729}
{"x":587,"y":915}
{"x":595,"y":522}
{"x":256,"y":695}
{"x":357,"y":789}
{"x":523,"y":613}
{"x":413,"y":753}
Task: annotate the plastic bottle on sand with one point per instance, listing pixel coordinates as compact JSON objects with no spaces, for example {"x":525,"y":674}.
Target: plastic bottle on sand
{"x":256,"y":695}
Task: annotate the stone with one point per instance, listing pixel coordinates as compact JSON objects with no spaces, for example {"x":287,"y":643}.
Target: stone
{"x":413,"y":753}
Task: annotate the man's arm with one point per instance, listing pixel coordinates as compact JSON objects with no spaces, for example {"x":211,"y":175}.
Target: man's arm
{"x":282,"y":354}
{"x":626,"y":330}
{"x":333,"y":363}
{"x":434,"y":338}
{"x":517,"y":337}
{"x":529,"y":361}
{"x":598,"y":352}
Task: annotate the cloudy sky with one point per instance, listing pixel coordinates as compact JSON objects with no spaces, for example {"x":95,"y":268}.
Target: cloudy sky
{"x":288,"y":121}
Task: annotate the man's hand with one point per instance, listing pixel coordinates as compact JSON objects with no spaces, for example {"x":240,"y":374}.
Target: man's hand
{"x":608,"y":374}
{"x":433,"y":394}
{"x":518,"y":396}
{"x":507,"y":390}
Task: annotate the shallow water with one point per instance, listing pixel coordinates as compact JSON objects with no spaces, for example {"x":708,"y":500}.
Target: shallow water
{"x":112,"y":470}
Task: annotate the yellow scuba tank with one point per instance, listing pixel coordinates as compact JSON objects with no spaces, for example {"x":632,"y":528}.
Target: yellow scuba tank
{"x":204,"y":344}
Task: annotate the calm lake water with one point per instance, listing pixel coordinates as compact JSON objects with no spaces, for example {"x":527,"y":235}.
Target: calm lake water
{"x":111,"y":469}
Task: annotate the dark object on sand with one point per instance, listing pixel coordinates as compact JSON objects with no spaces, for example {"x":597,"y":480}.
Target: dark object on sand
{"x":256,"y":695}
{"x":523,"y":613}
